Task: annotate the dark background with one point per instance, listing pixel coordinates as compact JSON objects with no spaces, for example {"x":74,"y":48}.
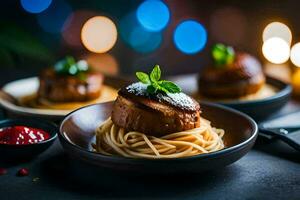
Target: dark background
{"x":238,"y":23}
{"x":269,"y":171}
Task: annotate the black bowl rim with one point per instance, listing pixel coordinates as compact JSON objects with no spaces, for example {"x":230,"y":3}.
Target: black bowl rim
{"x":25,"y":122}
{"x":284,"y":92}
{"x":200,"y":156}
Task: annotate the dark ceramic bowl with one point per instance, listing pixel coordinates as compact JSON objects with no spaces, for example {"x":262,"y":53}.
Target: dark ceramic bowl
{"x":24,"y":152}
{"x":262,"y":108}
{"x":77,"y":135}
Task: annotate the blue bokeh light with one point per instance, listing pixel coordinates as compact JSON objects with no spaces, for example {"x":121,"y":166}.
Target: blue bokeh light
{"x":190,"y":37}
{"x":153,"y":15}
{"x":137,"y":37}
{"x":53,"y":19}
{"x":144,"y":41}
{"x":35,"y":6}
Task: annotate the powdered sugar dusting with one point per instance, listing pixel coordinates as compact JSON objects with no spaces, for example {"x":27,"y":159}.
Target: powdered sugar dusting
{"x":180,"y":100}
{"x":138,"y":88}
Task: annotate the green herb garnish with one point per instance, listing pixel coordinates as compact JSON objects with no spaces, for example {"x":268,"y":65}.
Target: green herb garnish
{"x":155,"y":84}
{"x":69,"y":66}
{"x":223,"y":55}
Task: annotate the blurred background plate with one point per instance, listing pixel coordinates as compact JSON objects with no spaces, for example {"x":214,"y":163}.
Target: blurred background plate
{"x":258,"y":109}
{"x":12,"y":92}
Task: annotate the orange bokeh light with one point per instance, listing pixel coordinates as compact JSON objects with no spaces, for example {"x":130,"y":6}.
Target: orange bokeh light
{"x":73,"y":26}
{"x":99,"y":34}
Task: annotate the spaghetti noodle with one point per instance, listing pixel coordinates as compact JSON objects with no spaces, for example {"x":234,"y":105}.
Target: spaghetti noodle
{"x":113,"y":140}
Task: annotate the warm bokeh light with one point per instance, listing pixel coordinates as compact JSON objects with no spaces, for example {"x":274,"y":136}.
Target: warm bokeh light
{"x":280,"y":71}
{"x":276,"y":50}
{"x":221,"y":22}
{"x":296,"y":82}
{"x":153,"y":15}
{"x":104,"y":63}
{"x":73,"y":26}
{"x":277,"y":29}
{"x":53,"y":19}
{"x":190,"y":37}
{"x":295,"y":54}
{"x":99,"y":34}
{"x":35,"y":6}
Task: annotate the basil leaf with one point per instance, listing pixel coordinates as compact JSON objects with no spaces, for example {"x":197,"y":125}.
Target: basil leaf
{"x":151,"y":89}
{"x":169,"y":87}
{"x":219,"y":54}
{"x":155,"y":74}
{"x":230,"y":55}
{"x":64,"y":66}
{"x":70,"y":60}
{"x":69,"y":66}
{"x":61,"y":67}
{"x":73,"y":70}
{"x":223,"y":55}
{"x":143,"y":77}
{"x":155,"y":84}
{"x":82,"y":66}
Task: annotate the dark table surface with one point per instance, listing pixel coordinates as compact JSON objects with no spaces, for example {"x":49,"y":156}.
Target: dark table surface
{"x":271,"y":170}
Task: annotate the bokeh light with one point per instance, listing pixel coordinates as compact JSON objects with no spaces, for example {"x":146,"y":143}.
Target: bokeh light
{"x":53,"y":19}
{"x":190,"y":37}
{"x":104,"y":63}
{"x":99,"y":34}
{"x":35,"y":6}
{"x":147,"y":43}
{"x":280,"y":71}
{"x":221,"y":26}
{"x":137,"y":37}
{"x":276,"y":50}
{"x":295,"y":54}
{"x":277,"y":29}
{"x":73,"y":26}
{"x":296,"y":82}
{"x":153,"y":15}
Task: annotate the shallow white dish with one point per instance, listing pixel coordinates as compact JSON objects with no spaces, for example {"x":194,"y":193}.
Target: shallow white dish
{"x":12,"y":92}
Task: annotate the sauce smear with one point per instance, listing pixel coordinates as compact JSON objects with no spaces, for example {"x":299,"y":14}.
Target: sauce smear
{"x":22,"y":135}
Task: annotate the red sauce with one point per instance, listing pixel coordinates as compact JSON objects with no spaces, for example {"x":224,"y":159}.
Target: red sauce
{"x":22,"y":135}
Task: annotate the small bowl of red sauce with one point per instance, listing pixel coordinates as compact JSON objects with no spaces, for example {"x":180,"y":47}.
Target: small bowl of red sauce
{"x":25,"y":138}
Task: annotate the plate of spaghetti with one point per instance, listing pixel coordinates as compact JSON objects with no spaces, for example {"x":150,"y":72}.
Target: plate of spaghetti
{"x":154,"y":127}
